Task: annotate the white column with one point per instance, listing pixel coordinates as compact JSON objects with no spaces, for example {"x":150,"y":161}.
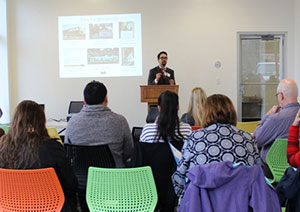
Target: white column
{"x":4,"y":81}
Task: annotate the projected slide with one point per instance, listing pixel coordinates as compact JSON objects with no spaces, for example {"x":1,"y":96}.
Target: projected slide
{"x":100,"y":46}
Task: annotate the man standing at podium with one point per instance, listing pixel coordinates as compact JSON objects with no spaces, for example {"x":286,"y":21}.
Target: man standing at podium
{"x":161,"y":75}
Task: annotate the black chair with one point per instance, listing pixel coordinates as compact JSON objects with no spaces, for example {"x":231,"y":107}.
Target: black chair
{"x":75,"y":106}
{"x":160,"y":158}
{"x":136,"y":133}
{"x":82,"y":157}
{"x":152,"y":114}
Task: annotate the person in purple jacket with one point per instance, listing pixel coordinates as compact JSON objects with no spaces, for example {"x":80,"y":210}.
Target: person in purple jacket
{"x":226,"y":187}
{"x":219,"y":140}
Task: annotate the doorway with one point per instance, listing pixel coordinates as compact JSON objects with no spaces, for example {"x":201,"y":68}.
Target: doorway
{"x":261,"y":68}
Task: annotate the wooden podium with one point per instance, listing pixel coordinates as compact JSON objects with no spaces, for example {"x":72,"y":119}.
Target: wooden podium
{"x":150,"y":93}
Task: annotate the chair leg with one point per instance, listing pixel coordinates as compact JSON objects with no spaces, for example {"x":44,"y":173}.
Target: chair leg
{"x":82,"y":201}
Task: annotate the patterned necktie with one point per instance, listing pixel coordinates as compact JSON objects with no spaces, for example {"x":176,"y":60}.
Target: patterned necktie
{"x":163,"y":72}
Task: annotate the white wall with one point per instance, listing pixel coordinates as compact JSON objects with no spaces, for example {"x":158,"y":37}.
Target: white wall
{"x":195,"y":33}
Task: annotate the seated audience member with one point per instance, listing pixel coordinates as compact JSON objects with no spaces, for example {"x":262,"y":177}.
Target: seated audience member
{"x":27,"y":145}
{"x":194,"y":113}
{"x":218,"y":141}
{"x":96,"y":124}
{"x":288,"y":186}
{"x":277,"y":121}
{"x":167,"y":127}
{"x":293,"y":150}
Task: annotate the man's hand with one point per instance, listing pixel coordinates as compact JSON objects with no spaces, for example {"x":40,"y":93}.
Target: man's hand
{"x":158,"y":76}
{"x":274,"y":109}
{"x":172,"y":82}
{"x":297,"y":119}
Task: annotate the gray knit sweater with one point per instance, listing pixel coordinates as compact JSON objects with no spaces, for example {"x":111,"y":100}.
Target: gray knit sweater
{"x":96,"y":125}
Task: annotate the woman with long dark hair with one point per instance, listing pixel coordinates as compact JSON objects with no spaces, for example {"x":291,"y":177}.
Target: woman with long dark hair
{"x":27,"y":145}
{"x":167,"y":127}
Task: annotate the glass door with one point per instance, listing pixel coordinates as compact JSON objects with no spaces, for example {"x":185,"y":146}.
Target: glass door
{"x":260,"y":71}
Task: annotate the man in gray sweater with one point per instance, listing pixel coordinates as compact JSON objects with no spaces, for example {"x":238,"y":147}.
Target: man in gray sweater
{"x":96,"y":124}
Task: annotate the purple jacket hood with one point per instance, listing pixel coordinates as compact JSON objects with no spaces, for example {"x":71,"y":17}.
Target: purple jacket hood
{"x":213,"y":175}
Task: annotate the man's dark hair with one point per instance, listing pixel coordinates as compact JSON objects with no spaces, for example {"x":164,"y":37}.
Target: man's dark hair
{"x":94,"y":93}
{"x":162,"y":52}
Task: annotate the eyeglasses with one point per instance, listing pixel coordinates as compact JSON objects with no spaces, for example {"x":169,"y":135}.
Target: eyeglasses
{"x":278,"y":93}
{"x":163,"y":58}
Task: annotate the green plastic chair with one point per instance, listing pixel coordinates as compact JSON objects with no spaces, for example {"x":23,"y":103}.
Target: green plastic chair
{"x":277,"y":160}
{"x":113,"y":190}
{"x":5,"y":128}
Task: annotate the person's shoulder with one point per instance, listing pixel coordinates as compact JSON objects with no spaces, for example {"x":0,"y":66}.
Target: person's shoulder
{"x":154,"y":69}
{"x":185,"y":125}
{"x":116,"y":116}
{"x":150,"y":125}
{"x":242,"y":133}
{"x":169,"y":69}
{"x":290,"y":109}
{"x":51,"y":142}
{"x":183,"y":116}
{"x":50,"y":147}
{"x":75,"y":118}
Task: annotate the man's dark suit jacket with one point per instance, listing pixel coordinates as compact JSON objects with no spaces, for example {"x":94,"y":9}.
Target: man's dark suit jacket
{"x":164,"y":80}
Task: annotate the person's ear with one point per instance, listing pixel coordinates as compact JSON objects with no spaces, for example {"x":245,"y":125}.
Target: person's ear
{"x":106,"y":100}
{"x":84,"y":102}
{"x":178,"y":107}
{"x":158,"y":108}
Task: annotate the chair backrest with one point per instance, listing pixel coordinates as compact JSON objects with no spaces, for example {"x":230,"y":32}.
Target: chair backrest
{"x":30,"y":190}
{"x":82,"y":157}
{"x":116,"y":190}
{"x":152,"y":114}
{"x":161,"y":160}
{"x":277,"y":160}
{"x":52,"y":131}
{"x":5,"y":128}
{"x":75,"y":106}
{"x":136,"y":133}
{"x":247,"y":126}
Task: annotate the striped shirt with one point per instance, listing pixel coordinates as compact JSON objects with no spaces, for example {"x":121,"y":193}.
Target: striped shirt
{"x":150,"y":131}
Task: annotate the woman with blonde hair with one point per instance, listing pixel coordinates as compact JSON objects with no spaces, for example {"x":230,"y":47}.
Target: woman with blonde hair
{"x":27,"y":145}
{"x":219,"y":140}
{"x":194,"y":115}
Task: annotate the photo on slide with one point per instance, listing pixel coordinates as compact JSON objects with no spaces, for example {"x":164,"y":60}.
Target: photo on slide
{"x":101,"y":31}
{"x":127,"y":56}
{"x":74,"y":32}
{"x":126,"y":30}
{"x":103,"y":56}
